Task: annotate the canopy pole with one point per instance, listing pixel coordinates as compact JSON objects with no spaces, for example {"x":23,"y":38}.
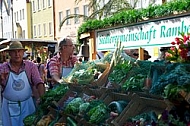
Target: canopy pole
{"x":141,"y":53}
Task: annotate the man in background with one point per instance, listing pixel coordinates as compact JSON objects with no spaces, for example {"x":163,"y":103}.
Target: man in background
{"x":61,"y":64}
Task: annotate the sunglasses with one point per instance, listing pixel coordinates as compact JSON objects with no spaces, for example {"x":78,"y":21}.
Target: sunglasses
{"x":135,"y":54}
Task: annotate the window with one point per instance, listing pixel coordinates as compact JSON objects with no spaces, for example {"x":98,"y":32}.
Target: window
{"x":34,"y":31}
{"x":23,"y":34}
{"x":76,"y":18}
{"x":44,"y":27}
{"x":68,"y":22}
{"x":49,"y":3}
{"x":17,"y":16}
{"x":139,"y":4}
{"x":20,"y":15}
{"x":38,"y":4}
{"x":33,"y":6}
{"x":4,"y":20}
{"x":1,"y":25}
{"x":85,"y":8}
{"x":60,"y":17}
{"x":23,"y":14}
{"x":39,"y":30}
{"x":50,"y":28}
{"x":43,"y":4}
{"x":16,"y":34}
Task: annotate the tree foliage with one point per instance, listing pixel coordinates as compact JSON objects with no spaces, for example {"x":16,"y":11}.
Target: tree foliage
{"x":100,"y":9}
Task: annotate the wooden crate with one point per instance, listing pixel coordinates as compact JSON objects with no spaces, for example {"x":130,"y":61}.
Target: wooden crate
{"x":138,"y":104}
{"x":102,"y":81}
{"x":47,"y":119}
{"x":100,"y":92}
{"x":114,"y":96}
{"x":79,"y":91}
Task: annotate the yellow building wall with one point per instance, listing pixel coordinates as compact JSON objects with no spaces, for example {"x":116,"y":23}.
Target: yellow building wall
{"x":29,"y":20}
{"x":44,"y":15}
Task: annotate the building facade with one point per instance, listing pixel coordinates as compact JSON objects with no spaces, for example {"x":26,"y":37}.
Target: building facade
{"x":6,"y":19}
{"x":145,"y":3}
{"x":63,"y":8}
{"x":42,"y":19}
{"x":22,"y":19}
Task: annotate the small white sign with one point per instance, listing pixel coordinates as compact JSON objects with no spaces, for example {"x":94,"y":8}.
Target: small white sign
{"x":158,"y":33}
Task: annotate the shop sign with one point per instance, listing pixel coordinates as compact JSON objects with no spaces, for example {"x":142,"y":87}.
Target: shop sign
{"x":156,"y":33}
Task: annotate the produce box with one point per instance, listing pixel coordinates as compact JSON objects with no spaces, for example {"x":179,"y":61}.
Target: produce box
{"x":83,"y":92}
{"x":140,"y":103}
{"x":113,"y":98}
{"x":102,"y":81}
{"x":77,"y":90}
{"x":49,"y":119}
{"x":90,"y":73}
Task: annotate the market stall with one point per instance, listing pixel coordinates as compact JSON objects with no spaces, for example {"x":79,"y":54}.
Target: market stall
{"x":122,"y":99}
{"x":119,"y":90}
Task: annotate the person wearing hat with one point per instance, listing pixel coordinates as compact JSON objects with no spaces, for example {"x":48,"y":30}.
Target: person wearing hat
{"x":134,"y":53}
{"x":146,"y":55}
{"x":16,"y":78}
{"x":61,"y":64}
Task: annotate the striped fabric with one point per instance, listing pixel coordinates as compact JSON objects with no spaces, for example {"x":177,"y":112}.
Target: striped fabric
{"x":30,"y":68}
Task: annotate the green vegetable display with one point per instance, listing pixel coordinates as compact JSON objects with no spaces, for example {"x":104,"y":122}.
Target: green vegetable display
{"x":175,"y":73}
{"x":172,"y":91}
{"x":98,"y":114}
{"x":83,"y":107}
{"x":83,"y":76}
{"x":134,"y":83}
{"x":73,"y":106}
{"x":84,"y":73}
{"x":119,"y":72}
{"x":51,"y":95}
{"x":28,"y":121}
{"x":71,"y":122}
{"x":46,"y":100}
